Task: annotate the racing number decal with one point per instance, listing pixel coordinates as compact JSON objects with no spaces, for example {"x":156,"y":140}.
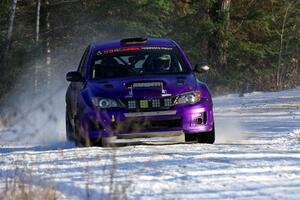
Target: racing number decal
{"x":144,"y":104}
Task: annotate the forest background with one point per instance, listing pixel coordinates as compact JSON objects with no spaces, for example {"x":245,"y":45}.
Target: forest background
{"x":252,"y":43}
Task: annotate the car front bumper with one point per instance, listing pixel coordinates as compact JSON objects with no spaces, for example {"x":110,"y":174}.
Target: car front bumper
{"x":195,"y":118}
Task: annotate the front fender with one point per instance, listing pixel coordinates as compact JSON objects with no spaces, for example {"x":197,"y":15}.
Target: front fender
{"x":203,"y":88}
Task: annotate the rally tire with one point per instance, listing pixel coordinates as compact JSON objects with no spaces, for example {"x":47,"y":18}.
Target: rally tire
{"x":207,"y":137}
{"x":81,"y":139}
{"x":69,"y":128}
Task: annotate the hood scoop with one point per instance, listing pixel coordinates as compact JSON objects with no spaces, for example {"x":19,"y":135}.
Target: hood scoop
{"x":146,"y":85}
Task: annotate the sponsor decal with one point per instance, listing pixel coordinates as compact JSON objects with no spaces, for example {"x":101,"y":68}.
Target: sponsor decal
{"x":128,"y":49}
{"x":157,"y":48}
{"x":147,"y":84}
{"x":121,"y":50}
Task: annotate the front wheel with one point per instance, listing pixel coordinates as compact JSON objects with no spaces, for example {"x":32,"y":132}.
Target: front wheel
{"x":69,"y":128}
{"x":207,"y":137}
{"x":82,"y":140}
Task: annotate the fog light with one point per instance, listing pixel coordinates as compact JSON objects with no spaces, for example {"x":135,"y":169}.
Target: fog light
{"x":131,"y":105}
{"x":168,"y":102}
{"x":198,"y":120}
{"x":156,"y":103}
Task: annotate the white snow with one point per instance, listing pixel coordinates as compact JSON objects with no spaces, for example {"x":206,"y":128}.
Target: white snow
{"x":256,"y":156}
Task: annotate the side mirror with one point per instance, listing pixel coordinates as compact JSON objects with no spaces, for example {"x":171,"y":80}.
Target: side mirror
{"x":201,"y":68}
{"x":74,"y":77}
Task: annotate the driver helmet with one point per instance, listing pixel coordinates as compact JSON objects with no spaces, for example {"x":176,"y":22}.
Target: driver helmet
{"x":163,"y":62}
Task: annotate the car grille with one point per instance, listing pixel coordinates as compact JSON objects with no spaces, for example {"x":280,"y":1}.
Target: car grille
{"x":136,"y":105}
{"x":135,"y":125}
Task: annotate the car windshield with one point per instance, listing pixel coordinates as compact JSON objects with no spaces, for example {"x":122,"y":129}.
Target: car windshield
{"x":136,"y":61}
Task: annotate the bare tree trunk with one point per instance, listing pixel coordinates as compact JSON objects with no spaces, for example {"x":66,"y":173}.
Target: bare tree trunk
{"x":48,"y":47}
{"x":37,"y":38}
{"x":226,"y":12}
{"x":9,"y":32}
{"x":37,"y":27}
{"x":84,"y":4}
{"x":217,"y":44}
{"x":279,"y":69}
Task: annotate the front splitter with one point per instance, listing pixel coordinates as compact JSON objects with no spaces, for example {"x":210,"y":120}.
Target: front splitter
{"x":149,"y":138}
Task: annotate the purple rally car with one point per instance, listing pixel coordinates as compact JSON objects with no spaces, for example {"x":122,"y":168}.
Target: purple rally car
{"x":137,"y":90}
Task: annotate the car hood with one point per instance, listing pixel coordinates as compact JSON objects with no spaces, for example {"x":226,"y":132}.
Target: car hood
{"x":143,"y":86}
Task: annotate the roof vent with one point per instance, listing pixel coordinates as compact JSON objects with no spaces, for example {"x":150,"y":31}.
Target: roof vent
{"x":139,"y":40}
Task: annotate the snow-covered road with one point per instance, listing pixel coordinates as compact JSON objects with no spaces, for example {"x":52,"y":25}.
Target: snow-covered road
{"x":256,"y":156}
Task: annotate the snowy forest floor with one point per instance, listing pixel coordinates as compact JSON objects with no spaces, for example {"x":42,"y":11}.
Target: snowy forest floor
{"x":256,"y":156}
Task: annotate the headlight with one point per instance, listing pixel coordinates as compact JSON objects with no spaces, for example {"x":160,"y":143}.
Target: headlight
{"x":105,"y":103}
{"x":188,"y":98}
